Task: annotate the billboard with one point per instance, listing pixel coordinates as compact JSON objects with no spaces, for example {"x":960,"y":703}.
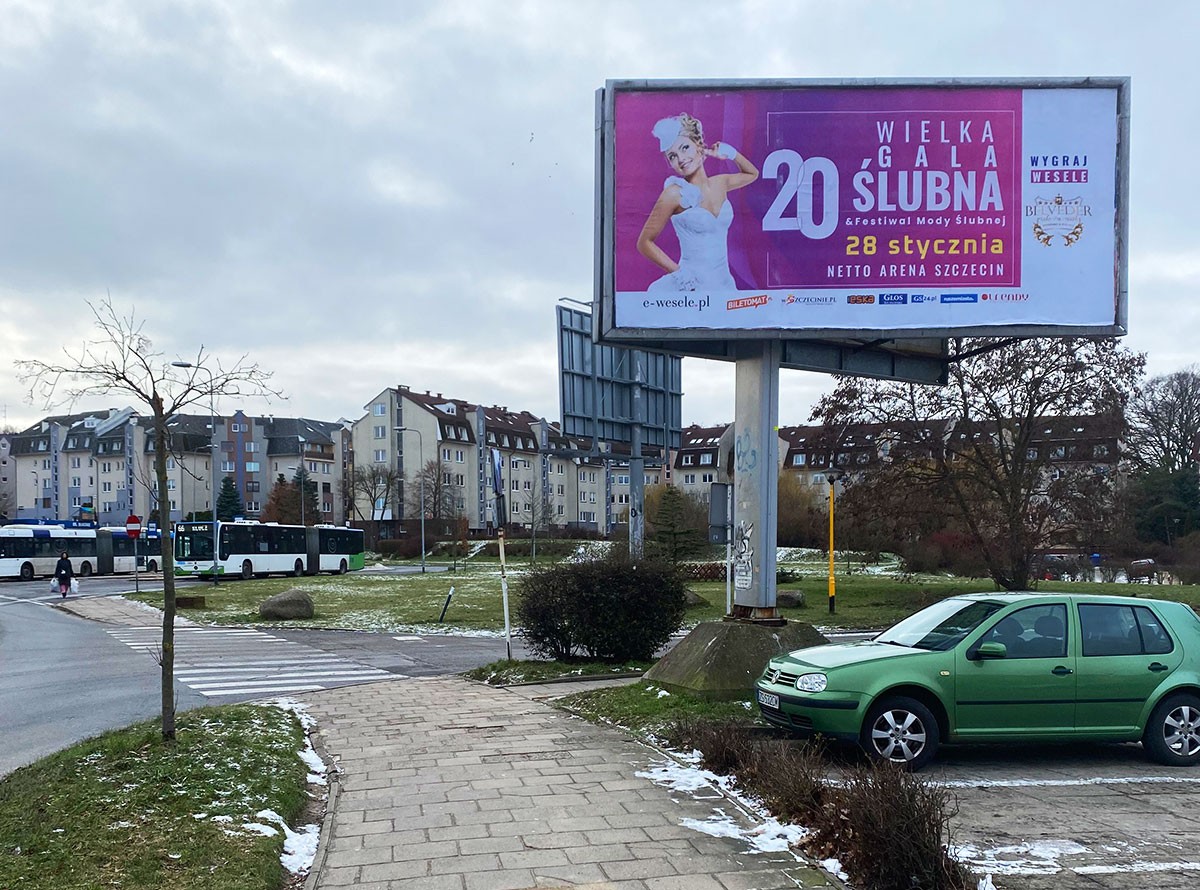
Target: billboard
{"x":596,"y":387}
{"x":862,"y":209}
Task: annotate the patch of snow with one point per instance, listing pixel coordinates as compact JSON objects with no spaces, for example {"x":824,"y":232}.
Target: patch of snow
{"x":299,"y":847}
{"x":834,"y":867}
{"x":1035,"y":858}
{"x":1133,"y":867}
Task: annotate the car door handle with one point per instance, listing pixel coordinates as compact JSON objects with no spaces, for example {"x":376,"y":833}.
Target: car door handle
{"x":1158,"y":666}
{"x":1061,"y":671}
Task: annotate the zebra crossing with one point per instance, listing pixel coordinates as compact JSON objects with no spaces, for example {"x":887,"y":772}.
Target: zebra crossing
{"x":228,"y":661}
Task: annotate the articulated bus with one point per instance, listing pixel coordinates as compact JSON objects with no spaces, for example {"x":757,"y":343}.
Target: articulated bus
{"x":251,"y":549}
{"x":30,"y":551}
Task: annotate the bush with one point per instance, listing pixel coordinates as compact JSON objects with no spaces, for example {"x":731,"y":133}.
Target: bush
{"x":399,"y":548}
{"x":889,"y":830}
{"x":521,"y":548}
{"x":604,"y":610}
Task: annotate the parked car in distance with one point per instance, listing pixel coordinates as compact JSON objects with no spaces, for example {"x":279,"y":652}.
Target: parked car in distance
{"x":1002,"y":667}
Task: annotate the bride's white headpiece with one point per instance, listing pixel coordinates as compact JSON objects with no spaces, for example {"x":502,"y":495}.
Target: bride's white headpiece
{"x":667,"y":130}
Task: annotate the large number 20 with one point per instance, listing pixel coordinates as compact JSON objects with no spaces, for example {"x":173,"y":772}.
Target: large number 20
{"x":799,"y":186}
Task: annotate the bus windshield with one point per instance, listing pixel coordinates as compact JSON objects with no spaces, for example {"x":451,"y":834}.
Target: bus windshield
{"x":193,"y":542}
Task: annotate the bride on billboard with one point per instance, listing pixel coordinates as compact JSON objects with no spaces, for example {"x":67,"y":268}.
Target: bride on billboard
{"x":697,"y":206}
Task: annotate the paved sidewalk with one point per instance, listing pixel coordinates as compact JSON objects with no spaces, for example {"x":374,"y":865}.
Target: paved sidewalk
{"x":115,"y":609}
{"x":444,"y":784}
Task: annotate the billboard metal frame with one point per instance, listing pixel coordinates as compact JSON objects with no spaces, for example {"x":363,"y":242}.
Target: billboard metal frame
{"x":919,"y":355}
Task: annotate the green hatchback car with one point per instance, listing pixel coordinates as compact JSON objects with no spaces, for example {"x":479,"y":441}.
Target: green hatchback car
{"x":1002,"y":667}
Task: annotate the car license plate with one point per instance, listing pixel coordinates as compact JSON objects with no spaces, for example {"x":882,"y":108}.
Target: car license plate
{"x":768,"y":698}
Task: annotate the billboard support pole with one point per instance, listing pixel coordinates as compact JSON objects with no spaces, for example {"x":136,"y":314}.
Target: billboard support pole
{"x":637,"y":466}
{"x":755,"y":479}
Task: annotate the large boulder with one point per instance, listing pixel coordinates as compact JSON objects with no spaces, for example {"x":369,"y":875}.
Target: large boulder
{"x":789,"y":599}
{"x":286,"y":606}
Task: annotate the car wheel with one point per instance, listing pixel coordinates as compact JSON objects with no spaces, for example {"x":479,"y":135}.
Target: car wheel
{"x":85,"y":570}
{"x":900,"y":730}
{"x":343,"y":568}
{"x":26,"y":571}
{"x":152,"y":566}
{"x":247,"y":570}
{"x":297,"y":569}
{"x":1172,"y":736}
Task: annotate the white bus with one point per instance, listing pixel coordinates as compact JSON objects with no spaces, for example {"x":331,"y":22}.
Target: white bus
{"x":32,"y":551}
{"x":249,"y":549}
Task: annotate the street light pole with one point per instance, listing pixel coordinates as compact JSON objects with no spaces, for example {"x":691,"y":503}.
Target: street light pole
{"x":302,"y":478}
{"x":212,"y":448}
{"x":420,"y":482}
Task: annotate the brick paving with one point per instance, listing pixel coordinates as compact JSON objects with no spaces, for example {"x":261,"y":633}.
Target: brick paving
{"x":444,"y":783}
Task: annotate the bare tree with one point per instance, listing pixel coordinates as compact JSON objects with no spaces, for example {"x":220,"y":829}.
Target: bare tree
{"x":378,"y":485}
{"x":122,"y":359}
{"x":1164,"y":422}
{"x":1001,"y":487}
{"x":440,"y":495}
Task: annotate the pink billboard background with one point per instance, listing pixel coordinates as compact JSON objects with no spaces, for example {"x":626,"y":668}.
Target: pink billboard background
{"x":845,"y":127}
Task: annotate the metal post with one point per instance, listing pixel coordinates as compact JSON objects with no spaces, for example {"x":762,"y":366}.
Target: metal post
{"x":303,"y":478}
{"x":637,"y":465}
{"x":420,"y":482}
{"x":832,"y":479}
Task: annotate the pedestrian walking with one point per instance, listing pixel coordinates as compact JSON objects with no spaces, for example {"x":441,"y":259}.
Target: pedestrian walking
{"x":64,"y":573}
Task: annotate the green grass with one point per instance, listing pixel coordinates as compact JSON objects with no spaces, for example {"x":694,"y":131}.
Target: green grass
{"x":412,"y":602}
{"x":647,"y":709}
{"x":127,"y":810}
{"x":504,"y":673}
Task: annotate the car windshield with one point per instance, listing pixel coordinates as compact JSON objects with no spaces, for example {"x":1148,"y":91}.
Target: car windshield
{"x":939,"y":626}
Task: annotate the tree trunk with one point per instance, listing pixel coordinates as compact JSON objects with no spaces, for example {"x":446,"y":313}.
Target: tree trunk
{"x":161,"y":446}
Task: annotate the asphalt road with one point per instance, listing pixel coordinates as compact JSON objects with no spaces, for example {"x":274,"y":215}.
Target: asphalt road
{"x":63,"y":679}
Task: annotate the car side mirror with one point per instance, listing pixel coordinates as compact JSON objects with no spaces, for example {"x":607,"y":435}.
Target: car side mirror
{"x":991,"y":650}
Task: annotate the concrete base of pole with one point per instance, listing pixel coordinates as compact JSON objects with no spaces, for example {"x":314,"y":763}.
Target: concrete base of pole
{"x":720,"y":660}
{"x":767,"y":615}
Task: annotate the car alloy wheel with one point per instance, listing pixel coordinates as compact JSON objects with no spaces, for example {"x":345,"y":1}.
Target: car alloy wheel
{"x":1173,"y":733}
{"x":901,"y":730}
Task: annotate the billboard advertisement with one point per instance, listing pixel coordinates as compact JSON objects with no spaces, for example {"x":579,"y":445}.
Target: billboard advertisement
{"x":821,"y":209}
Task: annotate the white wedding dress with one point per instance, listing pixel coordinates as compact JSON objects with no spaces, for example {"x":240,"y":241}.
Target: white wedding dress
{"x":703,"y":245}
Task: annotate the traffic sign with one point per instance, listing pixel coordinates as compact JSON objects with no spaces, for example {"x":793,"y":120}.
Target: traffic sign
{"x":133,"y":526}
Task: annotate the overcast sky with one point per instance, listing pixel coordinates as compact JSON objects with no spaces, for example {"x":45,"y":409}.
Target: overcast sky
{"x":363,"y":194}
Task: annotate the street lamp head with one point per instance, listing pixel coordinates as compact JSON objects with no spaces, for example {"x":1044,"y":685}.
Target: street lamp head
{"x":181,"y":364}
{"x":834,"y":475}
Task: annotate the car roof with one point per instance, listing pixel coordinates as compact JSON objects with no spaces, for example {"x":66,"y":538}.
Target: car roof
{"x":1017,"y":596}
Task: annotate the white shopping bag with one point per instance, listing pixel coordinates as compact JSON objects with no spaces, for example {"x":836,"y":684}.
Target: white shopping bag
{"x":74,"y":585}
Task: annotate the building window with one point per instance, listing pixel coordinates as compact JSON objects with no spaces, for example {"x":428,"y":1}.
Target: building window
{"x":1099,"y":451}
{"x":460,"y":456}
{"x":378,"y":409}
{"x":799,"y":460}
{"x":251,"y":507}
{"x":253,"y":466}
{"x":379,"y":432}
{"x":251,"y":447}
{"x":516,"y":485}
{"x":689,"y":478}
{"x":237,"y":427}
{"x":74,"y":463}
{"x":446,"y":455}
{"x":706,"y":460}
{"x":380,"y":456}
{"x":687,"y":460}
{"x":707,"y":477}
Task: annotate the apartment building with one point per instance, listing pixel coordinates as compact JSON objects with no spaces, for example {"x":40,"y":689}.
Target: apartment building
{"x":489,"y":465}
{"x":100,"y":465}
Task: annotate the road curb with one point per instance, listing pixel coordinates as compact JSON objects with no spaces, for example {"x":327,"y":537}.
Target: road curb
{"x":312,"y":881}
